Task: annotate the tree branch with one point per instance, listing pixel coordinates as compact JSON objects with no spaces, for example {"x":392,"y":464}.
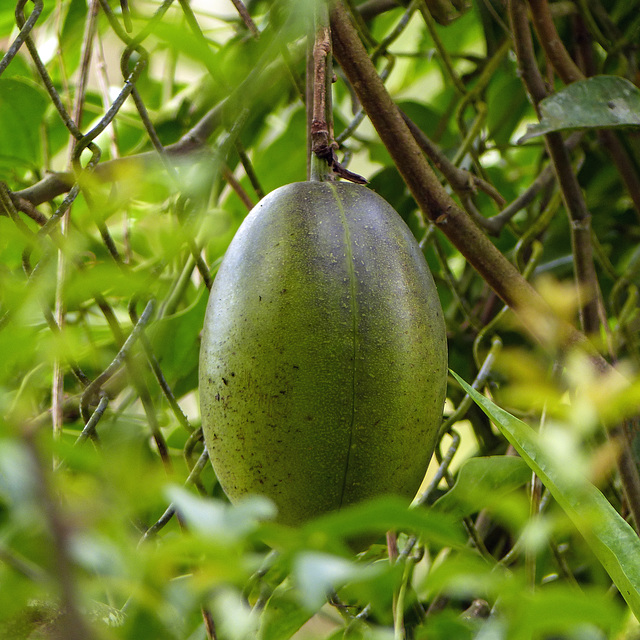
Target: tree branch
{"x":55,"y":184}
{"x":569,"y":72}
{"x":575,"y":204}
{"x":433,"y":199}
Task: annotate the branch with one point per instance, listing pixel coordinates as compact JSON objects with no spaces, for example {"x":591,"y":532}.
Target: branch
{"x":432,"y":198}
{"x":246,"y":18}
{"x":371,"y":8}
{"x":463,"y":182}
{"x":569,"y":72}
{"x":321,"y":133}
{"x":575,"y":204}
{"x":55,"y":184}
{"x":73,"y":623}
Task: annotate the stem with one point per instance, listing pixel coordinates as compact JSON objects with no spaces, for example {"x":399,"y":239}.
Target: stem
{"x":74,"y":624}
{"x":442,"y":50}
{"x":569,"y":72}
{"x":57,"y":390}
{"x":246,"y":18}
{"x":321,"y":102}
{"x":399,"y":632}
{"x":575,"y":204}
{"x":559,"y":57}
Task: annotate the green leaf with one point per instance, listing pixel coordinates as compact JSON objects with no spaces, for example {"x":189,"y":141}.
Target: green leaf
{"x":559,"y":608}
{"x":595,"y":103}
{"x":218,"y":519}
{"x":483,"y":482}
{"x":282,"y":615}
{"x":388,"y":513}
{"x":22,"y":107}
{"x":176,"y":343}
{"x":506,"y":104}
{"x":317,"y":574}
{"x":610,"y":537}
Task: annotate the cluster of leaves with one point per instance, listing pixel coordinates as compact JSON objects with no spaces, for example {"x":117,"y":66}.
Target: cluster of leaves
{"x":110,"y":234}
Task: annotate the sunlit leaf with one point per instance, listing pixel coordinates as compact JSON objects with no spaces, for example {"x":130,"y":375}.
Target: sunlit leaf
{"x":317,"y":574}
{"x":215,"y":518}
{"x":379,"y":515}
{"x":611,"y":538}
{"x":282,"y":615}
{"x":236,"y":620}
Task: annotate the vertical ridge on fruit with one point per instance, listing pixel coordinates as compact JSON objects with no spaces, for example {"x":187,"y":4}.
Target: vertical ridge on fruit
{"x":354,"y":314}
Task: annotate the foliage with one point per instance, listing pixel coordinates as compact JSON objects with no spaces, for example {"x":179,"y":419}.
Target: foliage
{"x":128,"y":159}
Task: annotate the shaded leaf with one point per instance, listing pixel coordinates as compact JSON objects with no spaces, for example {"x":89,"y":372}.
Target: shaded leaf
{"x":506,"y":104}
{"x":176,"y":344}
{"x":599,"y":102}
{"x":610,"y":537}
{"x":483,"y":482}
{"x":22,"y":107}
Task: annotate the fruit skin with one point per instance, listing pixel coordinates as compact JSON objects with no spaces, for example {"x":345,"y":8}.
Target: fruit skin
{"x":323,"y":363}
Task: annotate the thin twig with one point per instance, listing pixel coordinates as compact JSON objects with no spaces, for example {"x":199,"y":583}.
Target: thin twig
{"x":96,"y":385}
{"x":25,"y":30}
{"x":573,"y":197}
{"x":231,"y":180}
{"x":462,"y":181}
{"x":574,"y":201}
{"x":321,"y":132}
{"x":569,"y":72}
{"x":246,"y":18}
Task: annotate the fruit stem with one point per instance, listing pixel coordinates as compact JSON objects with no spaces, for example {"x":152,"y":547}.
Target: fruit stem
{"x":321,"y":72}
{"x":323,"y":165}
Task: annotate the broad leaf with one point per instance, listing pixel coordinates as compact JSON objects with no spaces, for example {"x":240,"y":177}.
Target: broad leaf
{"x":388,"y":513}
{"x":176,"y":344}
{"x":215,"y":518}
{"x":595,"y":103}
{"x":610,"y":537}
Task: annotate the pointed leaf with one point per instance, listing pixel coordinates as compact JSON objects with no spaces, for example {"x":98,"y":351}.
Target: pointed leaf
{"x":22,"y":109}
{"x":317,"y":574}
{"x":610,"y":537}
{"x":218,"y":519}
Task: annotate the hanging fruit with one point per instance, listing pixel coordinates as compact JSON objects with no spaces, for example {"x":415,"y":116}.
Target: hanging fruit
{"x":323,"y":363}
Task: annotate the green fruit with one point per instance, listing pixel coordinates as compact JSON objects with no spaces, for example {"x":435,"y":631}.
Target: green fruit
{"x":323,"y":363}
